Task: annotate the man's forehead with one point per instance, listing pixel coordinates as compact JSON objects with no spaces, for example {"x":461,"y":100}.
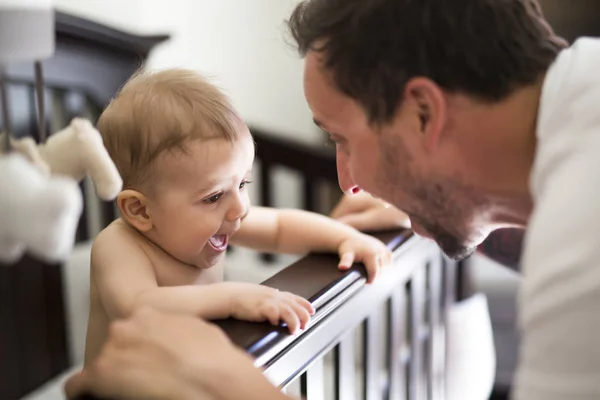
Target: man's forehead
{"x":337,"y":115}
{"x":332,"y":110}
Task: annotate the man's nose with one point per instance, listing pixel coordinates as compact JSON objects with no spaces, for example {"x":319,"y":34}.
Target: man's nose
{"x":346,"y":183}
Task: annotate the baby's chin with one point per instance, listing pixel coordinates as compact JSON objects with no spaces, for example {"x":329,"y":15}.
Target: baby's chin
{"x":209,"y":259}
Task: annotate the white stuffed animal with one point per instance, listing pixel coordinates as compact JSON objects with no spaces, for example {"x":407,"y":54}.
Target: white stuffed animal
{"x":27,"y":147}
{"x":40,"y":202}
{"x":75,"y":151}
{"x":38,"y":214}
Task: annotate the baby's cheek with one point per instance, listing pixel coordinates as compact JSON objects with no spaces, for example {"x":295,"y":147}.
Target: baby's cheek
{"x":245,"y":214}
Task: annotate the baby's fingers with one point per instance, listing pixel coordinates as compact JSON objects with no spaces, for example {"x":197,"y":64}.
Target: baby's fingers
{"x":346,"y":260}
{"x":289,"y":316}
{"x":272,"y":313}
{"x":373,"y":264}
{"x":304,"y":303}
{"x":301,"y":311}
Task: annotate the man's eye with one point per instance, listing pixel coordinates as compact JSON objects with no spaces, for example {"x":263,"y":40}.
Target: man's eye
{"x":244,"y":183}
{"x":214,"y":198}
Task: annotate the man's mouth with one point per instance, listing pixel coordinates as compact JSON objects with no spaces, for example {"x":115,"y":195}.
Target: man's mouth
{"x":219,"y":242}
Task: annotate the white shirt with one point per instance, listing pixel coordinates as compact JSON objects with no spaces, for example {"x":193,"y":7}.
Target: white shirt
{"x":559,"y":299}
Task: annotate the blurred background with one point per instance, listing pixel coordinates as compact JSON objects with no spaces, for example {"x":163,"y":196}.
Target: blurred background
{"x":242,"y":46}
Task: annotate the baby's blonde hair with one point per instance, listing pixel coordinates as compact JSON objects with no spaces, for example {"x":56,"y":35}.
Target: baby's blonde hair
{"x":159,"y":111}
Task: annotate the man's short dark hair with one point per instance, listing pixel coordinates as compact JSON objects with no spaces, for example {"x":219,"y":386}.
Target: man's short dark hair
{"x":483,"y":48}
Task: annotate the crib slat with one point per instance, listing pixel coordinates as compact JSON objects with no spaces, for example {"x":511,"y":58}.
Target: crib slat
{"x":344,"y":369}
{"x":396,"y":318}
{"x":311,"y":382}
{"x":417,"y":378}
{"x":436,"y":341}
{"x":373,"y":353}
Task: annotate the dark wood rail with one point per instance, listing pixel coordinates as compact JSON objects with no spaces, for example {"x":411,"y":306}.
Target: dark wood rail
{"x":317,"y":279}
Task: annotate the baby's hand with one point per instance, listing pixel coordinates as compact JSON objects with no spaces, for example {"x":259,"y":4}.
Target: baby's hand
{"x":259,"y":303}
{"x":366,"y":249}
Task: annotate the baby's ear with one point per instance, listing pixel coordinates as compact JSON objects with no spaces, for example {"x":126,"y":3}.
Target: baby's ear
{"x":133,"y":206}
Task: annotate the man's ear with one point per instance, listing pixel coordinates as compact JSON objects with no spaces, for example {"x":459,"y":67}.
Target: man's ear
{"x":430,"y":104}
{"x":134,"y":209}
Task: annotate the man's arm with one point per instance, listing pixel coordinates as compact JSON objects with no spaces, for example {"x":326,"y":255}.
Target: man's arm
{"x":504,"y":246}
{"x":170,"y":356}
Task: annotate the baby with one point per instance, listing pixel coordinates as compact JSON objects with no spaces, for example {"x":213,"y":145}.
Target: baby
{"x":186,"y":158}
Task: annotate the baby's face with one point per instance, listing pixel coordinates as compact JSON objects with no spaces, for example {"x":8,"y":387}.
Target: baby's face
{"x":202,"y":198}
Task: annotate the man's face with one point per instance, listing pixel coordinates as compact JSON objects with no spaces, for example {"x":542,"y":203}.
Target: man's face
{"x":406,"y":162}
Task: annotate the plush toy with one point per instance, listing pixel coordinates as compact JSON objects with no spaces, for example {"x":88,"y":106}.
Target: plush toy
{"x":40,"y":201}
{"x":75,"y":151}
{"x":38,"y":214}
{"x":27,"y":147}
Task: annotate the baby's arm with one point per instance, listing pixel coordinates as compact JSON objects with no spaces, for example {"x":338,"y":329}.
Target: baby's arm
{"x":125,"y":280}
{"x":300,"y":232}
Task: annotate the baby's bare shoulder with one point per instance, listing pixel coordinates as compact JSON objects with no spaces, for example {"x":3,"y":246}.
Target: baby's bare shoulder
{"x":118,"y":232}
{"x":117,"y":241}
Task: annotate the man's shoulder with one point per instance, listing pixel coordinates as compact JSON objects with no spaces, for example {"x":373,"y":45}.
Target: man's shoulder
{"x":567,"y":126}
{"x":572,"y":83}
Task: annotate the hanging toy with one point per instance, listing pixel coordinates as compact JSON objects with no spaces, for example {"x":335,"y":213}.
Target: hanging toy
{"x":76,"y":151}
{"x":38,"y":214}
{"x":40,"y":200}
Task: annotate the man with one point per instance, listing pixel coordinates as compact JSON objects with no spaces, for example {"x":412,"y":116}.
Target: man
{"x":467,"y":115}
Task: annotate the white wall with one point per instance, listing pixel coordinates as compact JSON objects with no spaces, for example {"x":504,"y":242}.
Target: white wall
{"x":240,"y":43}
{"x":115,"y":13}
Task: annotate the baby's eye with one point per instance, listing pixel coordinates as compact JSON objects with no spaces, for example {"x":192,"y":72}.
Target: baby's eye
{"x":213,"y":199}
{"x":244,"y":183}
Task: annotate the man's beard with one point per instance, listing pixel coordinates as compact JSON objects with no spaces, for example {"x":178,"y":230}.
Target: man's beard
{"x":438,"y":211}
{"x":449,"y":243}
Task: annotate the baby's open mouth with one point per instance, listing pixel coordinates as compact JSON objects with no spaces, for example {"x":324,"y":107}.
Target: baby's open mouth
{"x":219,"y":242}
